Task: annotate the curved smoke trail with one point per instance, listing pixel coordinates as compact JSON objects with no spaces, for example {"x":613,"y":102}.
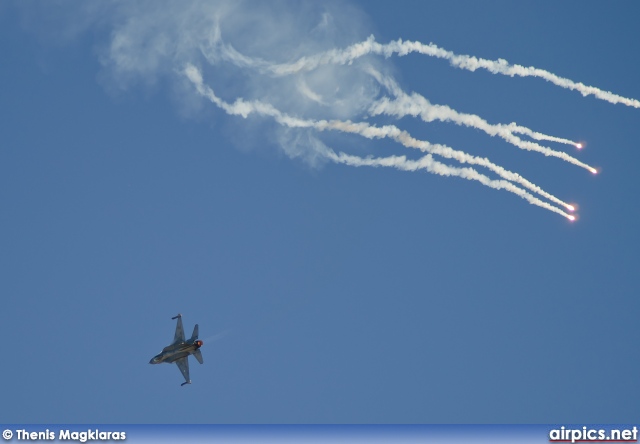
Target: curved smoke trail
{"x":244,"y":108}
{"x":332,"y":84}
{"x":470,"y":63}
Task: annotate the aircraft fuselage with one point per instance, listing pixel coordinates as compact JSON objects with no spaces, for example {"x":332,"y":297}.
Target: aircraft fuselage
{"x":172,"y":353}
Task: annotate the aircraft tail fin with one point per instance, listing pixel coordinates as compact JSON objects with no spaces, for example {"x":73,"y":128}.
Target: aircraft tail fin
{"x":198,"y":356}
{"x":194,"y":336}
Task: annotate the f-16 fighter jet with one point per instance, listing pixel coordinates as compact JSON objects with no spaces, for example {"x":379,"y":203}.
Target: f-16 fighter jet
{"x":179,"y":350}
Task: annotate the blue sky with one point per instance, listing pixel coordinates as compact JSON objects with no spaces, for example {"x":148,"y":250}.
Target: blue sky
{"x":325,"y":293}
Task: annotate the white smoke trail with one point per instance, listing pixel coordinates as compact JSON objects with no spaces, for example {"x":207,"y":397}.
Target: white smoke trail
{"x":433,"y":166}
{"x":470,"y":63}
{"x":405,"y":139}
{"x":244,"y":108}
{"x":515,"y":128}
{"x":153,"y":40}
{"x":417,"y":105}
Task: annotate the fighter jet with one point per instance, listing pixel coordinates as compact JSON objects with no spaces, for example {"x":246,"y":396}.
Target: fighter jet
{"x":179,"y":350}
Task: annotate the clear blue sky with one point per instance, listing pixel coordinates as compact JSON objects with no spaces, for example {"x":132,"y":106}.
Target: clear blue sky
{"x":324,"y":293}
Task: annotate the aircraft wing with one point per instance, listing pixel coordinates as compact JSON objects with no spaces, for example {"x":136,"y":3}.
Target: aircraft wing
{"x":183,"y":365}
{"x":179,"y":336}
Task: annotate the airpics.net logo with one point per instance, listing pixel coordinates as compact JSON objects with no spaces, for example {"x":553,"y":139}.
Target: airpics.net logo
{"x":586,"y":434}
{"x":64,"y":435}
